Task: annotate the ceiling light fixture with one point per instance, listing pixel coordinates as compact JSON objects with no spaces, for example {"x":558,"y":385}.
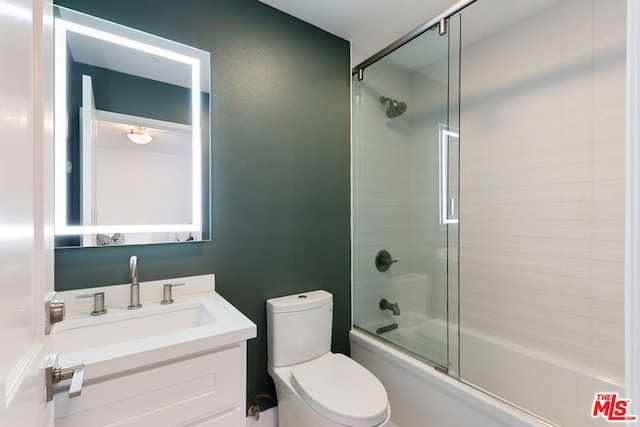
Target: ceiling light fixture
{"x":140,"y":135}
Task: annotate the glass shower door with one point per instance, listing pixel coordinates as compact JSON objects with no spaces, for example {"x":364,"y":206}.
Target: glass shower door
{"x":405,"y":166}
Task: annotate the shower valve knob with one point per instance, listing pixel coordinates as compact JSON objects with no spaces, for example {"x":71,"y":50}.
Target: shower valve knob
{"x":384,"y":260}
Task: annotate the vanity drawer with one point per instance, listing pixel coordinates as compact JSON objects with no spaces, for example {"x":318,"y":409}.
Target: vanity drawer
{"x":178,"y":392}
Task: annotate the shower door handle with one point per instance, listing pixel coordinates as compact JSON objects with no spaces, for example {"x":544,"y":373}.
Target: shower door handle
{"x":447,"y":204}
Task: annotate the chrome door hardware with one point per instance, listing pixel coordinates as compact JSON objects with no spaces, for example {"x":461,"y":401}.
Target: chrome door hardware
{"x":98,"y":303}
{"x":55,"y":374}
{"x":54,"y":311}
{"x":167,"y":298}
{"x":443,"y":26}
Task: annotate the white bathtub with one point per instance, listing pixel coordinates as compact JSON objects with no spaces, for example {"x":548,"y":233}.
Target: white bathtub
{"x":415,"y":333}
{"x":421,"y":396}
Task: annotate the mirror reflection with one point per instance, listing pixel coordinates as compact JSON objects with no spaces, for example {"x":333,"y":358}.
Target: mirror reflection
{"x":131,"y":126}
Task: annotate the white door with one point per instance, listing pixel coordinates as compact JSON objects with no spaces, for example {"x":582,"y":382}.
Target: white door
{"x":26,"y":226}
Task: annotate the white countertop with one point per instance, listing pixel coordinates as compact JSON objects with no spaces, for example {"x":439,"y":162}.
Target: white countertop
{"x":229,"y":326}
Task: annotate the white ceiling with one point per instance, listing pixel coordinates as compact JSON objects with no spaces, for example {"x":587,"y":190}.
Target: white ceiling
{"x":370,"y":25}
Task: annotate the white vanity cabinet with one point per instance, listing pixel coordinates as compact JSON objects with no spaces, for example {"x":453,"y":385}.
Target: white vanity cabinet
{"x":207,"y":389}
{"x":189,"y":376}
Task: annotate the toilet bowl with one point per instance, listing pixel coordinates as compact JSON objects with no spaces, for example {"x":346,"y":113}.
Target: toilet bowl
{"x":317,"y":388}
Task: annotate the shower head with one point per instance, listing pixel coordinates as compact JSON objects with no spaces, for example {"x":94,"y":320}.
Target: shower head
{"x":395,"y":108}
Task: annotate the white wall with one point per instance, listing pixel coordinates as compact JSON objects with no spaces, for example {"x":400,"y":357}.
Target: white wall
{"x":542,"y":184}
{"x":136,"y":187}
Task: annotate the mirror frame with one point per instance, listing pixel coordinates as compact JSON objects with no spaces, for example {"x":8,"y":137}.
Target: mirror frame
{"x":97,"y":28}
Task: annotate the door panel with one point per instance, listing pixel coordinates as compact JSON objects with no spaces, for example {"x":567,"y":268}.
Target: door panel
{"x":26,"y":235}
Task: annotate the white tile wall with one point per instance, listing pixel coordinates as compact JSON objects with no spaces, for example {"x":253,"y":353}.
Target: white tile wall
{"x":542,"y":183}
{"x":380,"y":189}
{"x":541,"y":233}
{"x":428,"y":241}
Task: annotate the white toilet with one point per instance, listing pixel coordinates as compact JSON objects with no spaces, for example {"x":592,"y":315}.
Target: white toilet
{"x":315,"y":387}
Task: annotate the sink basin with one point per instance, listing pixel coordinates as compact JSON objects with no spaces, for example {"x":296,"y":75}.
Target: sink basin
{"x":120,"y":325}
{"x":124,"y":341}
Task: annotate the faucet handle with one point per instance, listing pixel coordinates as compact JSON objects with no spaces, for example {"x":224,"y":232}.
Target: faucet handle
{"x":167,"y":297}
{"x":98,"y":302}
{"x":383,"y":260}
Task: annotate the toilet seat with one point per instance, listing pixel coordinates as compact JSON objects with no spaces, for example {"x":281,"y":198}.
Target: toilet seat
{"x":341,"y":390}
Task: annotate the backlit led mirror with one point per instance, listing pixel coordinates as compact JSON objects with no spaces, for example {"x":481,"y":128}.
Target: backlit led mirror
{"x":131,"y":135}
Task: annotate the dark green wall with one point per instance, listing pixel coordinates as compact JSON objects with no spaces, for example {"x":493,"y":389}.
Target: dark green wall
{"x":126,"y":94}
{"x":280,"y":158}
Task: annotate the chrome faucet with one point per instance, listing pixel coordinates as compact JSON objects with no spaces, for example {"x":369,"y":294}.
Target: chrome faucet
{"x":135,"y":287}
{"x":386,"y":305}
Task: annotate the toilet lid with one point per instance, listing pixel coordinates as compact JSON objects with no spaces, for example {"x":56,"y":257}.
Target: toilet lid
{"x":342,"y":390}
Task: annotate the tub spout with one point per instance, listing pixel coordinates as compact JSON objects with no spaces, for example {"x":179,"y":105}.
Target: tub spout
{"x":386,"y":305}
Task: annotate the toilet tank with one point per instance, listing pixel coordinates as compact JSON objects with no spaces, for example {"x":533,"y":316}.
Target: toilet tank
{"x":299,"y":327}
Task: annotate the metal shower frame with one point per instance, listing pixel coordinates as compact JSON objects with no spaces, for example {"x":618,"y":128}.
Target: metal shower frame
{"x":439,"y":20}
